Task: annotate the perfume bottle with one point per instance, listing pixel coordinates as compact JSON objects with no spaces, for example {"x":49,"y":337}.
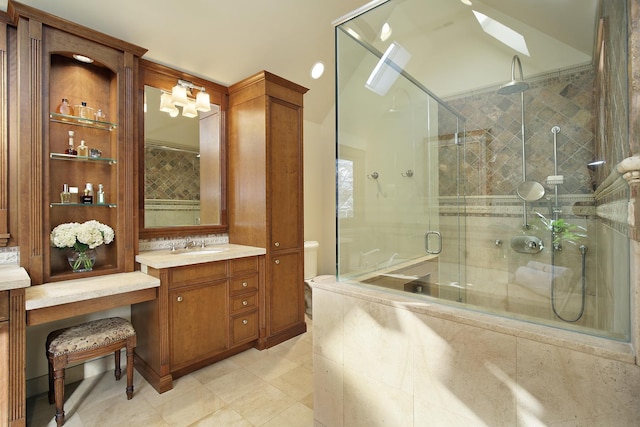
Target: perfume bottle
{"x":87,"y":196}
{"x":73,"y":195}
{"x":83,"y":111}
{"x":83,"y":150}
{"x":64,"y":107}
{"x":100,"y":195}
{"x":70,"y":149}
{"x":65,"y":196}
{"x":100,"y":116}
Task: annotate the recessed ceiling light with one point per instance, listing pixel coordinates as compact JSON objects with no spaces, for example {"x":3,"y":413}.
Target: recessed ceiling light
{"x":467,"y":2}
{"x":386,"y":31}
{"x":317,"y":70}
{"x":83,"y":58}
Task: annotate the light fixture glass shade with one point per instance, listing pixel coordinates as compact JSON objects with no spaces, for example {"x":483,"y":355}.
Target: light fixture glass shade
{"x":203,"y":102}
{"x":174,"y":112}
{"x":166,"y":103}
{"x":189,"y":110}
{"x":179,"y":95}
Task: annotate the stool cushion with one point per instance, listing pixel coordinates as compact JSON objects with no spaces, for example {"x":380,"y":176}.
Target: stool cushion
{"x":86,"y":336}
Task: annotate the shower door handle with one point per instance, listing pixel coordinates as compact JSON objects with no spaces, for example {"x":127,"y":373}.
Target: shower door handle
{"x":430,"y":236}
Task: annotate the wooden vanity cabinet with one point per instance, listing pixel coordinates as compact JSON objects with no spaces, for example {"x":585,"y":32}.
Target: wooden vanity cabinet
{"x":204,"y":313}
{"x":265,"y":193}
{"x":12,"y":358}
{"x":44,"y":60}
{"x":198,"y":314}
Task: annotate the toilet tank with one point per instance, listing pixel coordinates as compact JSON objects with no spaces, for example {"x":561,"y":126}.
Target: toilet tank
{"x":310,"y":259}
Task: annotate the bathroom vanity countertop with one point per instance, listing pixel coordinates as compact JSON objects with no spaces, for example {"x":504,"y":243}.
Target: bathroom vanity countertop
{"x":13,"y":276}
{"x":167,"y":258}
{"x":90,"y":288}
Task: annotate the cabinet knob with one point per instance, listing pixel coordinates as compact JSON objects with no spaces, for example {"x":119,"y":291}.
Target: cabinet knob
{"x":277,"y":261}
{"x":245,"y":284}
{"x":245,"y":321}
{"x":276,"y":244}
{"x":179,"y":299}
{"x":244,"y":302}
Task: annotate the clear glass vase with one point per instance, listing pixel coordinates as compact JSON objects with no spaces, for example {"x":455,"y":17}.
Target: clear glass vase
{"x":81,"y":261}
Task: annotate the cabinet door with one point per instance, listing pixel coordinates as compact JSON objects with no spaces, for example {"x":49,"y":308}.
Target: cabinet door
{"x":198,"y":322}
{"x":285,"y":174}
{"x":285,"y":291}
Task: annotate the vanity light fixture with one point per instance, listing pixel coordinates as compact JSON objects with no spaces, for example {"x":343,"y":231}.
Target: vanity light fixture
{"x":181,"y":96}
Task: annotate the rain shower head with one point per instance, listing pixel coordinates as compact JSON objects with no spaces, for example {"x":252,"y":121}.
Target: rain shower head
{"x":515,"y":85}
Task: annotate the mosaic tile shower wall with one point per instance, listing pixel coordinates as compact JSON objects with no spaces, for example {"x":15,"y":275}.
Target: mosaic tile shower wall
{"x":172,"y":175}
{"x":493,"y":156}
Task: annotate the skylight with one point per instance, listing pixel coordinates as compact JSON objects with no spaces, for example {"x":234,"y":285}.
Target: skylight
{"x":502,"y":33}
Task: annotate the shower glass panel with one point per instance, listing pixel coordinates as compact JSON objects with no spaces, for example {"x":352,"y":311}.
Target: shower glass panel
{"x":453,"y":190}
{"x":396,"y":231}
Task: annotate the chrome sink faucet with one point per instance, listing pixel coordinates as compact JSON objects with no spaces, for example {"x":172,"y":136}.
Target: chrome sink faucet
{"x":189,"y":243}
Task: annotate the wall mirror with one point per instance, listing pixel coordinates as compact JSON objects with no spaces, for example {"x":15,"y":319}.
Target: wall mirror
{"x":182,"y":165}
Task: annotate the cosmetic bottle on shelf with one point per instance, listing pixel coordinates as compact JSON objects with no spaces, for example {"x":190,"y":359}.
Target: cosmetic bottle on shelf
{"x":87,"y":196}
{"x":70,"y":149}
{"x":65,"y":196}
{"x":100,"y":199}
{"x":83,"y":150}
{"x":73,"y":195}
{"x":64,"y":107}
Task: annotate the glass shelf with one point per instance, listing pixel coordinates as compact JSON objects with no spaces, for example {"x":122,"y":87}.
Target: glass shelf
{"x":72,"y":157}
{"x":108,"y":205}
{"x":80,"y":121}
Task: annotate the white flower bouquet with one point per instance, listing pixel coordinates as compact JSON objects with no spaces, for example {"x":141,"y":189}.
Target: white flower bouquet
{"x":81,"y":238}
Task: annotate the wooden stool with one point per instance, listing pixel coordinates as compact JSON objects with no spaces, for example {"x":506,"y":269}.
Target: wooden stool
{"x":87,"y":341}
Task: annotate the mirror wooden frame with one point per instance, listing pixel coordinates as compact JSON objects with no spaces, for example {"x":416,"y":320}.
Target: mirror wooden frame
{"x":163,"y":77}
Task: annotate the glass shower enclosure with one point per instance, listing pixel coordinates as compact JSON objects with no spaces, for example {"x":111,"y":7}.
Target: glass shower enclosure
{"x":477,"y":196}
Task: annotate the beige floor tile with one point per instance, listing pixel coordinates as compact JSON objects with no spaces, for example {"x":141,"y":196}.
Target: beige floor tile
{"x":226,"y":417}
{"x":190,"y":407}
{"x":215,"y":371}
{"x":296,"y":415}
{"x":235,"y":384}
{"x":261,"y":404}
{"x":270,"y":366}
{"x":272,"y":387}
{"x":297,"y":383}
{"x":118,"y":411}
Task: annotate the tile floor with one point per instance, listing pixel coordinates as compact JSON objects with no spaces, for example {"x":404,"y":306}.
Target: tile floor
{"x":270,"y":388}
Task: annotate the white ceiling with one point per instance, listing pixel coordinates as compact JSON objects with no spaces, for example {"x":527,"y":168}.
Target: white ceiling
{"x":228,"y":40}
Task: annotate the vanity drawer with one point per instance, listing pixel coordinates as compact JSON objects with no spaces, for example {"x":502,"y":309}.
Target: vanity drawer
{"x":244,"y":265}
{"x":244,"y":284}
{"x":197,"y":273}
{"x":244,"y":327}
{"x":4,"y":305}
{"x":244,"y":302}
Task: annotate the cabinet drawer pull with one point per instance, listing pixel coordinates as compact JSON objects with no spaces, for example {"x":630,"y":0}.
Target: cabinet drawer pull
{"x":245,"y":284}
{"x":244,"y":302}
{"x":245,"y":321}
{"x":276,"y":244}
{"x":277,"y":261}
{"x":179,"y":299}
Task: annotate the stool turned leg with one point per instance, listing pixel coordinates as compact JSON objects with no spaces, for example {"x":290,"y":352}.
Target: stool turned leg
{"x":58,"y":379}
{"x":118,"y":371}
{"x":52,"y":397}
{"x":129,"y":372}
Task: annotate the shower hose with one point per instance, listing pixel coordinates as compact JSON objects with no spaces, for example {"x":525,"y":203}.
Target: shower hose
{"x":583,"y":252}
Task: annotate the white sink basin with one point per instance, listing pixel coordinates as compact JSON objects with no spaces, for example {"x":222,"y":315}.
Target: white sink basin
{"x":203,"y":251}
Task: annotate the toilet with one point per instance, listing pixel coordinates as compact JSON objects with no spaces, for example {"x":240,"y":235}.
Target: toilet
{"x":311,"y":273}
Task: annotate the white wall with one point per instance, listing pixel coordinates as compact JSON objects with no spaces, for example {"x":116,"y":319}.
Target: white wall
{"x":319,"y":190}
